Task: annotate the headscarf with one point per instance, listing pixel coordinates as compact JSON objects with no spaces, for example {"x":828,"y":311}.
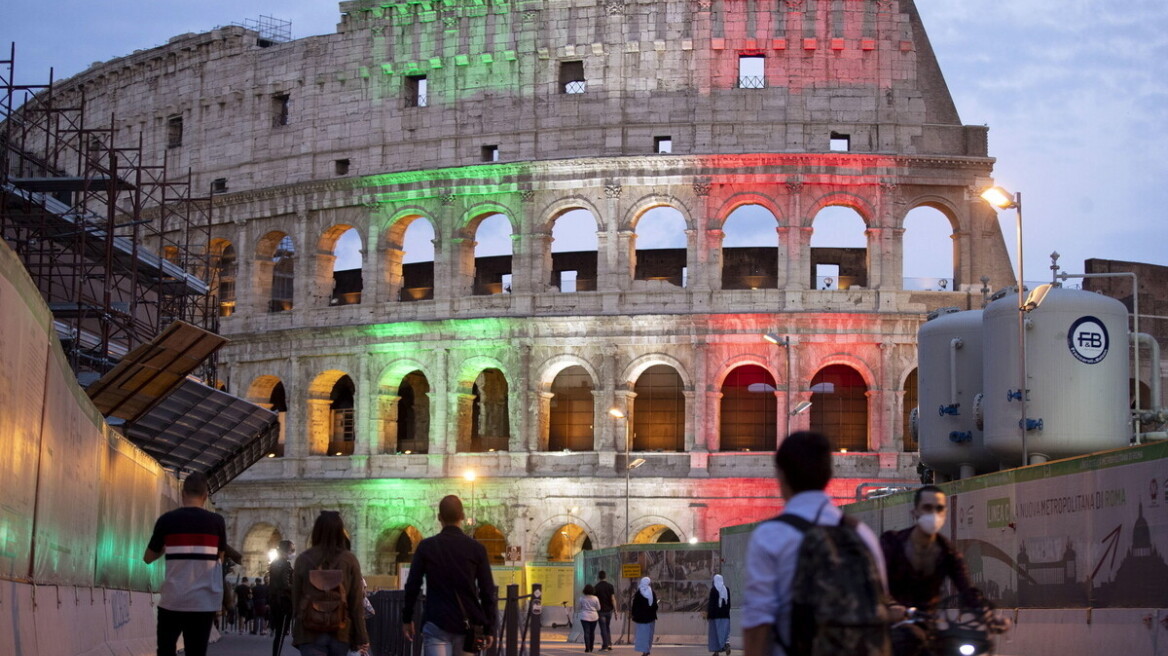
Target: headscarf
{"x":720,"y":586}
{"x":645,"y":590}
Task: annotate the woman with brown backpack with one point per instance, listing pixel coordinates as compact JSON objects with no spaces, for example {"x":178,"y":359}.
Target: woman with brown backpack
{"x":327,"y":593}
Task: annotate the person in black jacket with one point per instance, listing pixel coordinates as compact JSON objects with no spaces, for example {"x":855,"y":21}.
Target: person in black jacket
{"x":718,"y":617}
{"x":460,"y":590}
{"x":643,"y":612}
{"x":280,"y":594}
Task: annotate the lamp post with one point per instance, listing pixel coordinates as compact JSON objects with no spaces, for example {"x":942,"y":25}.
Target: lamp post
{"x":1002,"y":199}
{"x":629,"y":466}
{"x":802,"y":406}
{"x":470,"y":476}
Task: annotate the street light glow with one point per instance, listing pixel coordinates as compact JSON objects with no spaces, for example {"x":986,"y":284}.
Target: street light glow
{"x":469,"y":475}
{"x":616,"y":412}
{"x":999,"y":198}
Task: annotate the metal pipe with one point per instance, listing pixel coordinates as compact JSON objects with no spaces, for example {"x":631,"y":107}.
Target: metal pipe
{"x":1021,"y":329}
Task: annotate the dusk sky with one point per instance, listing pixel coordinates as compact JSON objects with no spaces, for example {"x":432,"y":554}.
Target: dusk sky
{"x":1075,"y":93}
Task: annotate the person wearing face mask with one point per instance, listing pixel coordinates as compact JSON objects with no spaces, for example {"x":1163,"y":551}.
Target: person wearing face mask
{"x":918,"y":560}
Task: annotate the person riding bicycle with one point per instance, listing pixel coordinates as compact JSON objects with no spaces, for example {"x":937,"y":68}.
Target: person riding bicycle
{"x":918,"y":561}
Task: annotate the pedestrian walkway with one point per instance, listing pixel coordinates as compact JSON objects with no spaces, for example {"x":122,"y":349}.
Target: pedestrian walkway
{"x":250,"y":645}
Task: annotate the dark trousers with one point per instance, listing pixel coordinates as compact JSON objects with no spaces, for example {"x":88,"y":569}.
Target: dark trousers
{"x":195,"y":628}
{"x":281,"y":626}
{"x":605,"y":629}
{"x":589,"y":633}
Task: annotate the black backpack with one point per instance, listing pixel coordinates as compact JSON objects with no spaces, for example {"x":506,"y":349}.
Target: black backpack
{"x":837,"y":599}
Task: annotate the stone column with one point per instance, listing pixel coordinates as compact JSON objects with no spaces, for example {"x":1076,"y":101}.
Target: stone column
{"x":697,"y":269}
{"x":800,"y":261}
{"x":531,"y":263}
{"x":963,"y":279}
{"x":459,"y":422}
{"x":715,"y":261}
{"x":690,"y":439}
{"x":389,"y":276}
{"x":606,"y":263}
{"x":386,"y":423}
{"x":539,"y":439}
{"x":454,"y":269}
{"x":245,"y":261}
{"x":366,"y":438}
{"x":318,"y":425}
{"x":623,"y":400}
{"x":294,"y":421}
{"x":305,"y":278}
{"x":786,"y":235}
{"x":876,"y":419}
{"x":713,"y":424}
{"x":626,"y":259}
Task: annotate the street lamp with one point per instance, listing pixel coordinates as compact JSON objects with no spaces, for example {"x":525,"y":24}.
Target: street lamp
{"x":469,"y":475}
{"x":1004,"y":200}
{"x":803,"y":406}
{"x":629,"y":465}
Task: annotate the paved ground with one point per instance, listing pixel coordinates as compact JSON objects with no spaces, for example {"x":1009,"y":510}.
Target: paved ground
{"x":249,"y":645}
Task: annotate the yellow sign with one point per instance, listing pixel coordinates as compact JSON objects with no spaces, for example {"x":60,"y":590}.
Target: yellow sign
{"x":631,"y":571}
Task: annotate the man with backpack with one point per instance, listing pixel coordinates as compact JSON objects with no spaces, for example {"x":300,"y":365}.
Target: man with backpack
{"x":815,"y":581}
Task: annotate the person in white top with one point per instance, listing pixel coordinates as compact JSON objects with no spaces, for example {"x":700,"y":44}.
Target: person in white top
{"x":803,"y":468}
{"x":588,"y":610}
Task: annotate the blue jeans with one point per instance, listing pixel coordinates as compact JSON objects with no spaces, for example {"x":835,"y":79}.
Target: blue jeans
{"x":605,"y":629}
{"x":324,"y":645}
{"x":438,"y":642}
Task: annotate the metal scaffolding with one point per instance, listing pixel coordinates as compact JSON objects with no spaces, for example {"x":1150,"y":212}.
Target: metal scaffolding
{"x":118,"y":246}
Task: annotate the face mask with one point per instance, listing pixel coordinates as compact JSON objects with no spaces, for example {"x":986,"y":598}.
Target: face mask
{"x":931,"y":523}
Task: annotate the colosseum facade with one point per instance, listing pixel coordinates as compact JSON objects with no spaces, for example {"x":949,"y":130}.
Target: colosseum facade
{"x":644,"y":123}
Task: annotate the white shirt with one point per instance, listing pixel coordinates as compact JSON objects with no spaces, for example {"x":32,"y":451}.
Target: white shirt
{"x":771,"y":558}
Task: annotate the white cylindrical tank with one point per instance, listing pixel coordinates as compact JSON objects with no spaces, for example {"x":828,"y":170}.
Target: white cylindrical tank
{"x":949,"y":375}
{"x":1077,"y":375}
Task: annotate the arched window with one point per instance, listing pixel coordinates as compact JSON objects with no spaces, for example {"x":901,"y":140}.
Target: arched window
{"x":492,"y":256}
{"x":572,"y":408}
{"x":574,"y":252}
{"x":347,"y":279}
{"x":910,"y":402}
{"x":839,"y":407}
{"x":417,"y":269}
{"x":413,"y":414}
{"x":749,"y":414}
{"x":928,"y":249}
{"x":659,"y":410}
{"x":258,"y":542}
{"x":279,"y":405}
{"x":750,"y":258}
{"x":661,"y":247}
{"x":839,"y":249}
{"x":490,"y":423}
{"x":342,"y":431}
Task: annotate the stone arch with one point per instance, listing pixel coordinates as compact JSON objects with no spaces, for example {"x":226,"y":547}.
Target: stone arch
{"x":638,"y":366}
{"x":482,"y":406}
{"x":555,"y":364}
{"x":739,"y":360}
{"x":270,"y":392}
{"x":340,"y":287}
{"x":748,"y":408}
{"x":489,"y":273}
{"x":742,"y":199}
{"x":494,"y":540}
{"x":573,"y":411}
{"x":403,"y":405}
{"x":647,"y":528}
{"x":261,"y":537}
{"x":331,"y":416}
{"x":919,"y":233}
{"x":569,"y":247}
{"x":407,"y":281}
{"x":561,"y":206}
{"x":839,"y":406}
{"x":395,"y":546}
{"x":474,"y":215}
{"x":274,"y":275}
{"x":545,"y":534}
{"x":653,"y":201}
{"x":660,"y":410}
{"x":750,"y":249}
{"x":862,"y":205}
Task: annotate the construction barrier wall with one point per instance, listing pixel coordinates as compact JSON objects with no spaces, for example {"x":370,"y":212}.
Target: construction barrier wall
{"x":77,"y":501}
